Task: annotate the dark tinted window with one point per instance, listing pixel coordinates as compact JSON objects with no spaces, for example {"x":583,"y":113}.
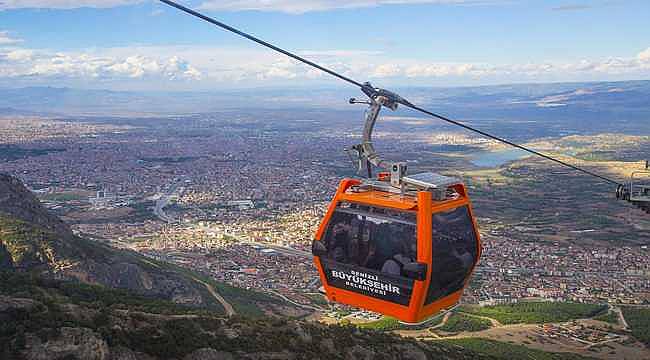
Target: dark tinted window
{"x":372,"y":238}
{"x":454,"y":252}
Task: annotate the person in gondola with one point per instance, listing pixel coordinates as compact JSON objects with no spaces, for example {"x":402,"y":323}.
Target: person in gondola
{"x":381,"y":247}
{"x":405,"y":252}
{"x":454,"y":259}
{"x":340,"y":240}
{"x":366,"y":247}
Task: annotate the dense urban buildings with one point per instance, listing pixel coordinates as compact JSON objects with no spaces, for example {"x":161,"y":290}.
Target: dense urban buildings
{"x":238,"y":196}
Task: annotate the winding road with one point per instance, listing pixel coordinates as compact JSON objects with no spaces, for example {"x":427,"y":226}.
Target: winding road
{"x":495,"y":322}
{"x":161,"y":203}
{"x":621,"y":318}
{"x":230,"y":310}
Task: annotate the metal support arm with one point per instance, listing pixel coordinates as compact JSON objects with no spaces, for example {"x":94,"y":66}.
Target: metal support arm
{"x":366,"y":153}
{"x":367,"y":148}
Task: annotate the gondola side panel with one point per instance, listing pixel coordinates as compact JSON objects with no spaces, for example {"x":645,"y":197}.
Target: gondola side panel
{"x":453,"y":298}
{"x":343,"y":186}
{"x":425,"y":203}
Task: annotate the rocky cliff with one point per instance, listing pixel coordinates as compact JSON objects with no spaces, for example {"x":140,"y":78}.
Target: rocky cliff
{"x":17,"y":202}
{"x":33,"y":240}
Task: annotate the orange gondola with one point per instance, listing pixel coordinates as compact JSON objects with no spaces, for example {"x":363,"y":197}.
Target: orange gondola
{"x":404,"y":246}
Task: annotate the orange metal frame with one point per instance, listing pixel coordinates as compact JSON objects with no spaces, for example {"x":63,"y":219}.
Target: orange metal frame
{"x":416,"y":311}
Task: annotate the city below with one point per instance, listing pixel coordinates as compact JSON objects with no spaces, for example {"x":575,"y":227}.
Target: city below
{"x":242,"y":204}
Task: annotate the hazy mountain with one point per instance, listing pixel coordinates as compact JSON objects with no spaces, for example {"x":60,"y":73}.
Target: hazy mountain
{"x":626,"y":99}
{"x":11,"y":111}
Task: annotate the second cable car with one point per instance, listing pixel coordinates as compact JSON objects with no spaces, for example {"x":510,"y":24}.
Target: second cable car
{"x":637,"y":190}
{"x":403,"y":246}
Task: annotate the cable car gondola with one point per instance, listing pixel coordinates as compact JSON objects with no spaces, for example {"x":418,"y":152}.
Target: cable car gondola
{"x":637,"y":191}
{"x":404,"y":246}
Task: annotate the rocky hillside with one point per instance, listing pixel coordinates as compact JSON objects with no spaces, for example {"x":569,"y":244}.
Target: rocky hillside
{"x":50,"y":319}
{"x":19,"y":203}
{"x":32,"y":240}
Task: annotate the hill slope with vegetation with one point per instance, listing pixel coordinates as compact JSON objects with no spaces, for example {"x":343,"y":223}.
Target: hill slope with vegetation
{"x":509,"y":351}
{"x":639,"y":321}
{"x":68,"y":320}
{"x":33,"y":240}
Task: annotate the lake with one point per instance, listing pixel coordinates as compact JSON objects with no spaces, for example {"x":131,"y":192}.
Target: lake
{"x":493,"y":159}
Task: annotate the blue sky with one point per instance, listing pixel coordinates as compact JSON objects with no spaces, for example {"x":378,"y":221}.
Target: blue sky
{"x":131,"y":44}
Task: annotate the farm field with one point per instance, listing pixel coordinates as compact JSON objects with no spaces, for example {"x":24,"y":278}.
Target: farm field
{"x":511,"y":351}
{"x":542,"y":330}
{"x":536,"y":312}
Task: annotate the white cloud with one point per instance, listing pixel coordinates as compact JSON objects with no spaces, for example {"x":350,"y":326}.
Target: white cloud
{"x":202,"y":67}
{"x":303,"y":6}
{"x":20,"y":63}
{"x":64,"y":4}
{"x":644,"y":58}
{"x":5,"y":39}
{"x":538,"y":71}
{"x":386,"y":70}
{"x":19,"y":55}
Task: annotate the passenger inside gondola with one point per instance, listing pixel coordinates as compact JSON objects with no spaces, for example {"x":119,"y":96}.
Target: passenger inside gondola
{"x":403,"y":251}
{"x":375,"y":242}
{"x":339,"y":237}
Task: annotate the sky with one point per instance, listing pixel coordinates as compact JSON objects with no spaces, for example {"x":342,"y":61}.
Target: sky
{"x":146,"y":45}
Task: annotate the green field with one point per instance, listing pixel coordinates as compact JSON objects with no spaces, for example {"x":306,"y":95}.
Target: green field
{"x":388,"y":323}
{"x":384,"y":324}
{"x":609,"y":317}
{"x":318,"y":299}
{"x":639,"y":321}
{"x":461,"y":322}
{"x":535,"y":312}
{"x":508,"y":351}
{"x":65,"y":196}
{"x":143,"y":211}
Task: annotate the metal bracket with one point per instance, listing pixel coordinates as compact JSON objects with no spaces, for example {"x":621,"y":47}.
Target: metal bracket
{"x":391,"y":100}
{"x":435,"y":183}
{"x":365,"y":151}
{"x":367,"y":156}
{"x":397,"y":173}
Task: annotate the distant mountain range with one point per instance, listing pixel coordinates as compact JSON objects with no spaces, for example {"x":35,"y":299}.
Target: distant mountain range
{"x":626,"y":98}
